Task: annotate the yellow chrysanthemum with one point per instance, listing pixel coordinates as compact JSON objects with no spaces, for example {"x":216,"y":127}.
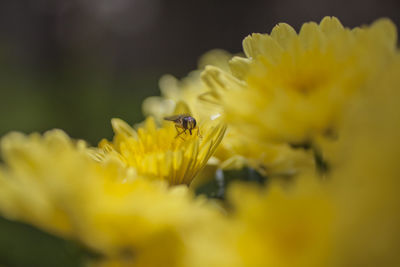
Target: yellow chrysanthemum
{"x":366,"y":177}
{"x":270,"y":227}
{"x":51,"y":182}
{"x":235,"y":150}
{"x":187,"y":92}
{"x":294,"y":87}
{"x":160,"y":153}
{"x":269,"y":158}
{"x":32,"y":189}
{"x":351,"y":219}
{"x":290,"y":228}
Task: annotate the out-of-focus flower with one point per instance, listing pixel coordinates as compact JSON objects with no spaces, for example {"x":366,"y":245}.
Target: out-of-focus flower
{"x":294,"y":87}
{"x":283,"y":228}
{"x":51,"y":182}
{"x":37,"y":183}
{"x":351,"y":219}
{"x":160,"y":153}
{"x":365,"y":177}
{"x":267,"y":157}
{"x":270,"y":227}
{"x":145,"y":223}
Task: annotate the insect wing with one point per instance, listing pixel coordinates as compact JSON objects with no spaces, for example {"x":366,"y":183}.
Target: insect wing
{"x":175,"y":118}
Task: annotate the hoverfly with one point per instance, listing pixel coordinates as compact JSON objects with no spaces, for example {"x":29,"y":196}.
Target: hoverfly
{"x":184,"y":122}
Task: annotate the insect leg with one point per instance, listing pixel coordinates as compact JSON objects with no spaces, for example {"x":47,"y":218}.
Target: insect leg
{"x":179,"y":133}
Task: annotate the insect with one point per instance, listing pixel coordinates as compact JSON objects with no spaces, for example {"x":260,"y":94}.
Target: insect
{"x":183,"y":123}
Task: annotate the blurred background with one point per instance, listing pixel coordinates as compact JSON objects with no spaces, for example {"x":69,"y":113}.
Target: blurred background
{"x":76,"y":64}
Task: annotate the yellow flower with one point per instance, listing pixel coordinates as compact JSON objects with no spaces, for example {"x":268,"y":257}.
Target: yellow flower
{"x":144,"y":223}
{"x":366,"y":177}
{"x":284,"y":228}
{"x":351,"y":219}
{"x":235,"y":150}
{"x":160,"y":153}
{"x":270,"y":227}
{"x":37,"y":183}
{"x":294,"y":87}
{"x":51,"y":182}
{"x":267,"y":157}
{"x":187,"y":92}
